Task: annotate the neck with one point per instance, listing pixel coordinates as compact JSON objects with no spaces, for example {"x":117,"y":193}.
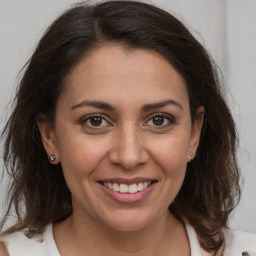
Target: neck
{"x":164,"y":237}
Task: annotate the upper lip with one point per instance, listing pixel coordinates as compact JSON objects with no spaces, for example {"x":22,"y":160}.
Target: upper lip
{"x":128,"y":181}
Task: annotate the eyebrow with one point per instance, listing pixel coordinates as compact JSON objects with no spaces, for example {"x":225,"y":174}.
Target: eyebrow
{"x":95,"y":104}
{"x":161,"y":104}
{"x":145,"y":108}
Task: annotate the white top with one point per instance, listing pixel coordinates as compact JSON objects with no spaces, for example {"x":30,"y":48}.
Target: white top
{"x":237,"y":244}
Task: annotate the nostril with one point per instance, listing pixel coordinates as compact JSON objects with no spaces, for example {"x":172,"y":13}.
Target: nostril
{"x":128,"y":151}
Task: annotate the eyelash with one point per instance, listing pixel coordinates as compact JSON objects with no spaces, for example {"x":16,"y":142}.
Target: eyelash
{"x":171,"y":120}
{"x":89,"y":117}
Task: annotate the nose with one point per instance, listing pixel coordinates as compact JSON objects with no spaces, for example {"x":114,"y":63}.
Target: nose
{"x":128,"y":149}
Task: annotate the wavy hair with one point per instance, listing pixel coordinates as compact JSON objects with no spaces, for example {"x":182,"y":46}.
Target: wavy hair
{"x":210,"y":190}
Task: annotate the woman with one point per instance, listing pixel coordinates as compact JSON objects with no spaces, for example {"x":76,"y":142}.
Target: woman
{"x":121,"y":142}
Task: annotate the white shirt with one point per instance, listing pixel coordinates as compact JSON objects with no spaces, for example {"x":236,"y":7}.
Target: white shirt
{"x":237,"y":244}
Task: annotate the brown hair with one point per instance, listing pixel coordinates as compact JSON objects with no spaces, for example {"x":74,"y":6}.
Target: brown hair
{"x":207,"y":195}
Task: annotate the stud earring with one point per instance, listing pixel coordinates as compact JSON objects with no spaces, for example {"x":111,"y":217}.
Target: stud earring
{"x":191,"y":156}
{"x":52,"y":158}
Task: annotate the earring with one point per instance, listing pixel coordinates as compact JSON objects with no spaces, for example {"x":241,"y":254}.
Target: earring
{"x":191,"y":156}
{"x":52,"y":158}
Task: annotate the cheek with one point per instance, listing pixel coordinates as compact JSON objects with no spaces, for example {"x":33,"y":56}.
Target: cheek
{"x":173,"y":149}
{"x":80,"y":157}
{"x":80,"y":154}
{"x":171,"y":155}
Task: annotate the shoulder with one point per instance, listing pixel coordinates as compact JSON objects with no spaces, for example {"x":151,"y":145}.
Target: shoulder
{"x":3,"y":249}
{"x":240,"y":243}
{"x":18,"y":244}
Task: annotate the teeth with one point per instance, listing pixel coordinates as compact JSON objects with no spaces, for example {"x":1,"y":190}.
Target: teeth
{"x":140,"y":187}
{"x":110,"y":185}
{"x":124,"y":188}
{"x":115,"y":187}
{"x":133,"y":188}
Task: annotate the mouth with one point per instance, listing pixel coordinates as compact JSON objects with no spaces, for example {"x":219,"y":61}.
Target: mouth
{"x":128,"y":190}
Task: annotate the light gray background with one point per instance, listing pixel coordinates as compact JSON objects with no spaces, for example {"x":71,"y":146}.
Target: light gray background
{"x":227,"y":28}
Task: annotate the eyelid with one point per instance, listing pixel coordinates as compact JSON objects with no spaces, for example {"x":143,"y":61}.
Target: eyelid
{"x":169,"y":117}
{"x":83,"y":120}
{"x":171,"y":120}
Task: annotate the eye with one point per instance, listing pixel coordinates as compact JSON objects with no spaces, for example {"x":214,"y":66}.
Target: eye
{"x":95,"y":121}
{"x":160,"y":120}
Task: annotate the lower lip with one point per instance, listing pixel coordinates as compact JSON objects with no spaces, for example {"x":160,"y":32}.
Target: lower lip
{"x":128,"y":198}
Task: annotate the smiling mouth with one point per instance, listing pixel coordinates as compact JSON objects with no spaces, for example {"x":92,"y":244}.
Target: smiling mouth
{"x":127,"y":188}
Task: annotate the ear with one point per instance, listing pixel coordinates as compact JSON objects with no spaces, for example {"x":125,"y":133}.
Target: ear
{"x":48,"y":137}
{"x":196,"y":132}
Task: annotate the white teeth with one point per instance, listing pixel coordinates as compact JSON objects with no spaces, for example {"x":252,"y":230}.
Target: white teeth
{"x":124,"y":188}
{"x":110,"y":186}
{"x":133,"y":188}
{"x":140,"y":187}
{"x":116,"y":187}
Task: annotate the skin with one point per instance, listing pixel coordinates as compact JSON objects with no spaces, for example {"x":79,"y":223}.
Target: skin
{"x":3,"y":249}
{"x":128,"y":143}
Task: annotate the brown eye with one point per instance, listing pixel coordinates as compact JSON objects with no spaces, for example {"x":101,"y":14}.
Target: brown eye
{"x":158,"y":120}
{"x":95,"y":121}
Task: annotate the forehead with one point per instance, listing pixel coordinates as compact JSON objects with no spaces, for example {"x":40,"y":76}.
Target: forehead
{"x":114,"y":73}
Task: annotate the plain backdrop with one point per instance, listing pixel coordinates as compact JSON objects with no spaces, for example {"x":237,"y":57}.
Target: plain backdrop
{"x":225,"y":27}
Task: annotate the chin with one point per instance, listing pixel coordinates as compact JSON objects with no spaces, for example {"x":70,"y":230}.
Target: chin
{"x":129,"y":221}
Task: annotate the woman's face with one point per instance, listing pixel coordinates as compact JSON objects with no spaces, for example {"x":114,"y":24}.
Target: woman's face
{"x":123,"y":135}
